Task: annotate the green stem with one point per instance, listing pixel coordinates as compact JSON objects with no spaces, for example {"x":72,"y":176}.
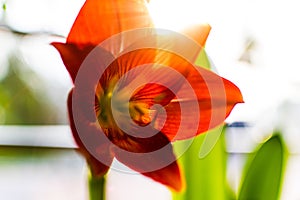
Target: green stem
{"x":97,"y":187}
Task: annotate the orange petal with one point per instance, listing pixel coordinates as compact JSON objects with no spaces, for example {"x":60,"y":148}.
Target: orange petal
{"x":97,"y":154}
{"x":153,"y":93}
{"x":100,"y":19}
{"x":169,"y":176}
{"x":144,"y":75}
{"x":198,"y":32}
{"x":153,"y":157}
{"x":214,"y":99}
{"x":73,"y":57}
{"x":152,"y":75}
{"x":162,"y":49}
{"x":168,"y":48}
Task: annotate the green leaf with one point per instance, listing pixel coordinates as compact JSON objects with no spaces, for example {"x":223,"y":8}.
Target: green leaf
{"x":263,"y":174}
{"x":203,"y":60}
{"x":205,"y":177}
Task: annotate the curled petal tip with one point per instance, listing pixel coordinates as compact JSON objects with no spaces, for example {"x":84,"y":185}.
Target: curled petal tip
{"x":170,"y":176}
{"x":198,"y":32}
{"x":233,"y":93}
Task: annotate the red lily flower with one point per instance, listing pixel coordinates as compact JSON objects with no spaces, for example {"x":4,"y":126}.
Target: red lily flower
{"x":135,"y":90}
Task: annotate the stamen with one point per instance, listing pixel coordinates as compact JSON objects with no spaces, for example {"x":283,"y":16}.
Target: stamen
{"x":146,"y":119}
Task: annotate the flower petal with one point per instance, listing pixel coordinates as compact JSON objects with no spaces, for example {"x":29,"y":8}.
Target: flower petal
{"x":94,"y":60}
{"x":152,"y":157}
{"x":215,"y":98}
{"x":100,"y":19}
{"x":97,"y":154}
{"x":154,"y":93}
{"x":152,"y":55}
{"x":152,"y":76}
{"x":199,"y":33}
{"x":169,"y":176}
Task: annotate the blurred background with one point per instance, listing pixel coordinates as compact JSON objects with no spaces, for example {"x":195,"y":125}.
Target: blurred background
{"x":252,"y":43}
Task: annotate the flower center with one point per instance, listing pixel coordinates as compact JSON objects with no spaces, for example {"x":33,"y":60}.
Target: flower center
{"x":140,"y":114}
{"x":124,"y":111}
{"x":105,"y":115}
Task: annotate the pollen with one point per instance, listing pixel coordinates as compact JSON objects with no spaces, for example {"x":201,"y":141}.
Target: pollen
{"x":109,"y":95}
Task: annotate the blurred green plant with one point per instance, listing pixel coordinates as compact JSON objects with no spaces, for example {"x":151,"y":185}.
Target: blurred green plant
{"x":206,"y":177}
{"x":23,"y":97}
{"x":264,"y":171}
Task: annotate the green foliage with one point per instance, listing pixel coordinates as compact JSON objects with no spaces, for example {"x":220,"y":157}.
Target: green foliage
{"x":4,"y":6}
{"x":203,"y":60}
{"x":23,"y":97}
{"x":205,"y":177}
{"x":263,"y":173}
